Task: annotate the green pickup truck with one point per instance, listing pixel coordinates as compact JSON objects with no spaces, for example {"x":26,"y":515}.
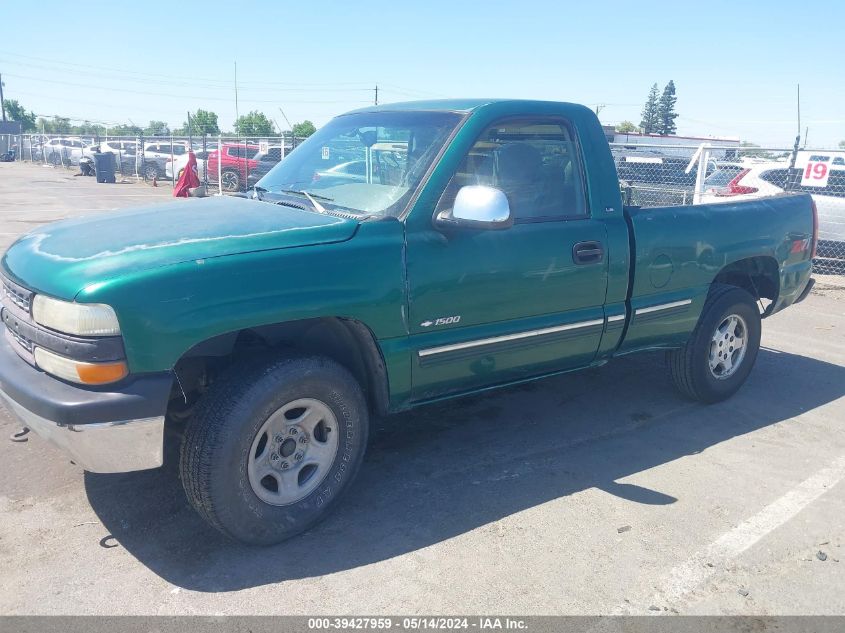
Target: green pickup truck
{"x":403,"y":254}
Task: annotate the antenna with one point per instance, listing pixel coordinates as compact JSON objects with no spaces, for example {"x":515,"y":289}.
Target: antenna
{"x":798,"y":136}
{"x":286,"y":118}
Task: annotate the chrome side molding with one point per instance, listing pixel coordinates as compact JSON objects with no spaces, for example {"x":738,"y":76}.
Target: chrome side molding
{"x":663,"y":306}
{"x":508,"y":337}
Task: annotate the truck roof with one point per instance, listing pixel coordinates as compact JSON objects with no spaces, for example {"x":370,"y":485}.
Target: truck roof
{"x":454,"y":105}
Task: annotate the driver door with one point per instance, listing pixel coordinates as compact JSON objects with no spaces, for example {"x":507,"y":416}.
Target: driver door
{"x":494,"y":306}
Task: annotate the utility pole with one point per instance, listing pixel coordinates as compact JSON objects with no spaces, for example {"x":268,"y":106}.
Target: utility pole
{"x":236,"y":92}
{"x":376,"y":94}
{"x":2,"y":101}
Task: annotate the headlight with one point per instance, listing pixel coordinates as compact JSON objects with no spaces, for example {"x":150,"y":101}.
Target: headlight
{"x":82,"y":319}
{"x":78,"y":371}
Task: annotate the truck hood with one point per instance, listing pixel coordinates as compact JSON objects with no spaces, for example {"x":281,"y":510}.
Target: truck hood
{"x":61,"y":259}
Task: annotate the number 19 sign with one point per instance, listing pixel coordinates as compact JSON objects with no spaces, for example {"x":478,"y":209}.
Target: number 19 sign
{"x":815,"y":174}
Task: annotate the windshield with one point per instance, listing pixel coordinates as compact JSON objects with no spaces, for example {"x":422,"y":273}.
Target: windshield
{"x":369,"y":162}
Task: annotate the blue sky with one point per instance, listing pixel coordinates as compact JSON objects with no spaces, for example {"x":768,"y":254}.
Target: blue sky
{"x":735,"y":63}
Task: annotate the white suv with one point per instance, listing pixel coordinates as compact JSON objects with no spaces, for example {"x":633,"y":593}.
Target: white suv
{"x":156,"y":155}
{"x":63,"y":151}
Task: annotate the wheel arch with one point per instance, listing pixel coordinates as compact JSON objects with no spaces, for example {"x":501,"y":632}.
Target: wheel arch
{"x":759,"y":276}
{"x":349,"y":342}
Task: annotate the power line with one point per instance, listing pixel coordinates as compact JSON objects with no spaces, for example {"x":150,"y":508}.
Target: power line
{"x":176,"y":96}
{"x":221,"y":83}
{"x":270,"y":87}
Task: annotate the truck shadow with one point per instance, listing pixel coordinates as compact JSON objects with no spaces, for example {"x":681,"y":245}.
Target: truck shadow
{"x":444,"y":470}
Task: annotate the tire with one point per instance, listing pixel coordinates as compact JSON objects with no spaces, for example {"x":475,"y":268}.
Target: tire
{"x":230,"y":180}
{"x":710,"y":368}
{"x":224,"y":438}
{"x":151,"y":171}
{"x":54,"y":159}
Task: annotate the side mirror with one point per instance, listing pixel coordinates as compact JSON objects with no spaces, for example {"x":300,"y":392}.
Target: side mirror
{"x":477,"y":207}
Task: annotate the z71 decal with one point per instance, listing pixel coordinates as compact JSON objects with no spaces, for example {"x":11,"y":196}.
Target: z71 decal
{"x":450,"y":320}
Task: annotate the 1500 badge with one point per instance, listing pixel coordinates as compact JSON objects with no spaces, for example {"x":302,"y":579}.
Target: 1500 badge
{"x":449,"y":320}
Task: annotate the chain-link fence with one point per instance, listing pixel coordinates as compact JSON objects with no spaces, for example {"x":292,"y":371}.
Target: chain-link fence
{"x":666,"y":175}
{"x":231,"y":163}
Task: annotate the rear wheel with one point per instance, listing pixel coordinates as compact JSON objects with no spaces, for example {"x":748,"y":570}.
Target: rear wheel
{"x":720,"y":354}
{"x":272,"y":447}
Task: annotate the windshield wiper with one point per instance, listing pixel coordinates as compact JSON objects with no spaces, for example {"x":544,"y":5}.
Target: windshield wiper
{"x":312,"y":198}
{"x":259,"y":191}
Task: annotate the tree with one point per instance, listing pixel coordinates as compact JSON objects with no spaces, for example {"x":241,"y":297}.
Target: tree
{"x":89,"y":129}
{"x":17,"y":112}
{"x":125,"y":130}
{"x":304,"y":129}
{"x":626,"y":127}
{"x":157,"y":128}
{"x":56,"y":125}
{"x":649,"y":123}
{"x":203,"y":122}
{"x":666,"y":114}
{"x":253,"y":124}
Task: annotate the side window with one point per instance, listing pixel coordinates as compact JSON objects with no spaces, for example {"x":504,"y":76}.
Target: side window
{"x":178,"y":150}
{"x":274,"y":154}
{"x":535,"y":162}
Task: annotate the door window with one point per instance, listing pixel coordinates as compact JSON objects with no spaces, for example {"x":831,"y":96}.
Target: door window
{"x":535,"y":162}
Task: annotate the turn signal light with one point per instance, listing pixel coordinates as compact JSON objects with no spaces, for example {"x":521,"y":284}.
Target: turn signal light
{"x":101,"y":373}
{"x":78,"y":371}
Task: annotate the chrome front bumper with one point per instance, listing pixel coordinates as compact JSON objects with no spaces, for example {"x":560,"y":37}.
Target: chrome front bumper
{"x":105,"y":447}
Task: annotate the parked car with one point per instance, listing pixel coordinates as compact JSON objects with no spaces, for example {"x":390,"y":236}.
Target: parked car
{"x":237,"y":161}
{"x":178,"y":164}
{"x":125,"y":153}
{"x":155,"y":157}
{"x":264,"y":162}
{"x":752,"y":180}
{"x":31,"y":146}
{"x":64,"y":151}
{"x":262,"y":334}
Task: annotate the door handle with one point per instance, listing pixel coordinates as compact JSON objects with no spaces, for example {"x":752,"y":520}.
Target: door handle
{"x":587,"y":253}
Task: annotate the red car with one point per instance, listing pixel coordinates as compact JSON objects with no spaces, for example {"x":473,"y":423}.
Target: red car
{"x":237,"y":162}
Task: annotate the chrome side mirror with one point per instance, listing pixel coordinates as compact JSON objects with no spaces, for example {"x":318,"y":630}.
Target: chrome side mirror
{"x":477,"y":207}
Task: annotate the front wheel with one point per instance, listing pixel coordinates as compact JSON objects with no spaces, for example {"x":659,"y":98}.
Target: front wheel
{"x":720,"y":354}
{"x":231,"y":181}
{"x":272,"y":447}
{"x":150,"y":171}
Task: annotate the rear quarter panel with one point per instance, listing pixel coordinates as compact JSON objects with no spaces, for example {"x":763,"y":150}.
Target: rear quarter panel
{"x":680,"y":250}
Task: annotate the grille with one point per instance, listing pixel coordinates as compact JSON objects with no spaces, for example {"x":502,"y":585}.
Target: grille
{"x":23,"y":342}
{"x":18,"y":295}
